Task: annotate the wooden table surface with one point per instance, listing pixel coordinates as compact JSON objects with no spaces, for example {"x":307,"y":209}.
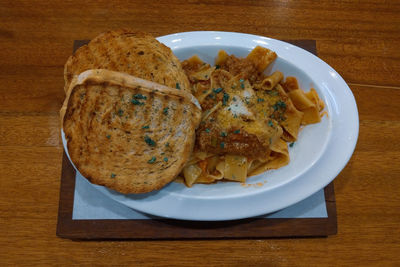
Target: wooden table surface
{"x":360,"y":39}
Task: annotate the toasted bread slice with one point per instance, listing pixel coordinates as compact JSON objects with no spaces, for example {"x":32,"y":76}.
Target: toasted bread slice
{"x":128,"y":134}
{"x":138,"y":54}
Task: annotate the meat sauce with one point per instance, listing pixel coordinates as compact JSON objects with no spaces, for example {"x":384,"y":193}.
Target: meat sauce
{"x":211,"y":138}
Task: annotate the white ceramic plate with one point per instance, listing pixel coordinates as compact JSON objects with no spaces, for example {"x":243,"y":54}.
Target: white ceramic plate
{"x":321,"y":152}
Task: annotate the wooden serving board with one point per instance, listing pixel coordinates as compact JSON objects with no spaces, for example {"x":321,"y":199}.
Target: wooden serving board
{"x":177,"y":229}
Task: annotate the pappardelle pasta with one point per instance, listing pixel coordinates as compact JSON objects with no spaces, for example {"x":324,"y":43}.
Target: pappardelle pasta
{"x":248,"y":117}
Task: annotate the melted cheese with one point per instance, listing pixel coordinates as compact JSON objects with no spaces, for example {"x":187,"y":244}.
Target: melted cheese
{"x":238,"y":108}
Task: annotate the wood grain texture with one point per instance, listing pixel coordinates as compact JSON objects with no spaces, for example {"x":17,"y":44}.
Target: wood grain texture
{"x":360,"y":39}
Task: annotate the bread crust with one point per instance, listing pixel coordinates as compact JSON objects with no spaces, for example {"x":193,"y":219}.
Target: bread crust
{"x":108,"y":115}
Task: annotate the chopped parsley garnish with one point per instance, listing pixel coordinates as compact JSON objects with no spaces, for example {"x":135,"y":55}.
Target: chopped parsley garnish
{"x":136,"y":102}
{"x":113,"y":175}
{"x":207,"y":130}
{"x":225,"y":99}
{"x":234,"y":98}
{"x":212,"y":96}
{"x":166,"y":159}
{"x":224,"y":134}
{"x":271,"y":92}
{"x":152,"y":160}
{"x":217,"y":90}
{"x":108,"y":136}
{"x":167,"y":144}
{"x":217,"y":67}
{"x":235,"y":116}
{"x":139,"y":96}
{"x":291,"y":144}
{"x":270,"y":123}
{"x":120,"y":112}
{"x":222,"y":144}
{"x":279,"y":105}
{"x":205,"y":91}
{"x":241,"y":80}
{"x":178,"y":86}
{"x":260,"y":100}
{"x":149,"y":141}
{"x":242,"y":85}
{"x":236,"y":131}
{"x":145,"y":127}
{"x":233,"y":86}
{"x":165,"y":111}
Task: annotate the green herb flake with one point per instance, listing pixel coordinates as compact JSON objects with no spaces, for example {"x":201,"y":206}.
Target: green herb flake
{"x":165,"y":111}
{"x":166,"y":159}
{"x":108,"y":136}
{"x":178,"y":86}
{"x":205,"y":91}
{"x":145,"y":127}
{"x":279,"y":105}
{"x":225,"y":99}
{"x":224,"y":134}
{"x":222,"y":144}
{"x":270,"y":123}
{"x":139,"y":96}
{"x":152,"y":160}
{"x":241,"y":81}
{"x":233,"y":86}
{"x":234,"y":98}
{"x":271,"y":92}
{"x":242,"y":85}
{"x":236,"y":131}
{"x":120,"y":112}
{"x":136,"y":102}
{"x":235,"y":116}
{"x":217,"y":90}
{"x":167,"y":144}
{"x":217,"y":67}
{"x":149,"y":141}
{"x":260,"y":100}
{"x":207,"y":130}
{"x":113,"y":175}
{"x":291,"y":144}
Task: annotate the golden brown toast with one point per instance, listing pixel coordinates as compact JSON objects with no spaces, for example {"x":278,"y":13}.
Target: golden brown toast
{"x":128,"y":134}
{"x":138,"y":54}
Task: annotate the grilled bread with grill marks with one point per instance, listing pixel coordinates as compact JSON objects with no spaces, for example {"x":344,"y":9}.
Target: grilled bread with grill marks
{"x":138,"y":54}
{"x":128,"y":134}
